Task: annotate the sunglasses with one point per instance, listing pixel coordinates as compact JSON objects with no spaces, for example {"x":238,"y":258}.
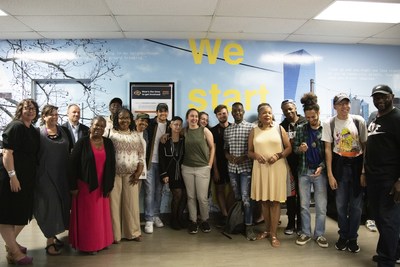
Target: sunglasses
{"x":287,"y":101}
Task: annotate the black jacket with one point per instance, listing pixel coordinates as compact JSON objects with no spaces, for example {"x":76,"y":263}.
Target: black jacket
{"x":83,"y":166}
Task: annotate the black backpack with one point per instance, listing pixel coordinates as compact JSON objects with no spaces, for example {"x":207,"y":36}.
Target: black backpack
{"x":235,"y":219}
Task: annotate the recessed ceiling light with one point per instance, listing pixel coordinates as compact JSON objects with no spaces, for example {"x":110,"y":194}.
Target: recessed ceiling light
{"x":362,"y":12}
{"x":2,"y":13}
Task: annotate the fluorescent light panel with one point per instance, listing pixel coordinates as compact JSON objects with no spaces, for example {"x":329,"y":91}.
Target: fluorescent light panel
{"x":362,"y":12}
{"x":2,"y":13}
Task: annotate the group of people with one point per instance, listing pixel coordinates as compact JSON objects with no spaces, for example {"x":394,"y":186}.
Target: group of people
{"x":94,"y":190}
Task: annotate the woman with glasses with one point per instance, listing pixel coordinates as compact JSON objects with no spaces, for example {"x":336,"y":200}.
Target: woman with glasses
{"x":170,"y":157}
{"x":130,"y":157}
{"x":17,"y":181}
{"x":52,"y":201}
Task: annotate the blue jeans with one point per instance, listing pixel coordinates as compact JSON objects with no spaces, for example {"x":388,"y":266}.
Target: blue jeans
{"x":241,"y":184}
{"x":152,"y":193}
{"x":320,"y":196}
{"x":349,"y":206}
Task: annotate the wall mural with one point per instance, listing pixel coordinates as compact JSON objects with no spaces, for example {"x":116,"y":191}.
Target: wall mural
{"x":205,"y":72}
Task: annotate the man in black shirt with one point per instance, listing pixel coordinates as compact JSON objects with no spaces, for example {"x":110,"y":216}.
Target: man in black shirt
{"x":383,"y":174}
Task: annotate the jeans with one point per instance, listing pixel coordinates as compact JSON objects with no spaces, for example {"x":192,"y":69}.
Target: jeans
{"x":241,"y":184}
{"x":349,"y":206}
{"x":152,"y":193}
{"x":197,"y":181}
{"x":387,"y":219}
{"x":320,"y":196}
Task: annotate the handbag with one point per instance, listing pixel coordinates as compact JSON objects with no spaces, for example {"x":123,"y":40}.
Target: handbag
{"x":290,"y":182}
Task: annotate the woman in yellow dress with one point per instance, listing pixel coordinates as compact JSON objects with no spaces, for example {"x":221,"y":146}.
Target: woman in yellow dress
{"x":268,"y":182}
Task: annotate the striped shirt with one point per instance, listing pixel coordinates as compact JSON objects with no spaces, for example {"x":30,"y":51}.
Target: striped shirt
{"x":236,"y":143}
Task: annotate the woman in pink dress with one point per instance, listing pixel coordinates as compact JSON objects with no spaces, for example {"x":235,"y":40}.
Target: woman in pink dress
{"x":92,"y":173}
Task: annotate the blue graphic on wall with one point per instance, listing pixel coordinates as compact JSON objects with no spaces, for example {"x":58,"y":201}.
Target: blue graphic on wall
{"x":298,"y":70}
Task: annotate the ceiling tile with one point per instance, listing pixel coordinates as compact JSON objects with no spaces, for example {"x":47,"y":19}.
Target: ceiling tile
{"x":10,"y":24}
{"x":323,"y":39}
{"x":54,"y":7}
{"x":164,"y":23}
{"x":165,"y":35}
{"x":19,"y":35}
{"x":82,"y":35}
{"x":162,"y":7}
{"x":255,"y":25}
{"x":247,"y":36}
{"x":341,"y":28}
{"x":391,"y":32}
{"x":70,"y":23}
{"x":300,"y":9}
{"x":381,"y":41}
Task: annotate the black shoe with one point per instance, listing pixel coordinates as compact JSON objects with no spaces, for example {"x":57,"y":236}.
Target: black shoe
{"x":222,"y":222}
{"x":205,"y":227}
{"x":341,"y":244}
{"x":353,"y":246}
{"x":193,"y":228}
{"x":375,"y":258}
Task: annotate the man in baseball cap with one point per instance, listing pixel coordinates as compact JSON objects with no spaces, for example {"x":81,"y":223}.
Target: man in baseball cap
{"x":382,"y":172}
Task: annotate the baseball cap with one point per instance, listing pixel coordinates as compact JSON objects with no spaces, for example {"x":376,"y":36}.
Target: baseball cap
{"x":143,"y":116}
{"x":161,"y":107}
{"x":381,"y":89}
{"x":340,"y":97}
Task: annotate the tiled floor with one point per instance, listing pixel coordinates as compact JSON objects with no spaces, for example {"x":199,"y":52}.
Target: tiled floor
{"x":167,"y":247}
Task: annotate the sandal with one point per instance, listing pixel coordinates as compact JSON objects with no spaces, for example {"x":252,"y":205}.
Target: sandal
{"x":275,"y":242}
{"x":58,"y":242}
{"x":56,"y":249}
{"x":263,"y":235}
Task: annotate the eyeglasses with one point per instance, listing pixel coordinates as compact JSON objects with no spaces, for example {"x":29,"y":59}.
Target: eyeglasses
{"x":30,"y":108}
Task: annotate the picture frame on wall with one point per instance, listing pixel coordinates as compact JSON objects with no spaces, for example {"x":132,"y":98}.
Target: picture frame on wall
{"x":145,"y":96}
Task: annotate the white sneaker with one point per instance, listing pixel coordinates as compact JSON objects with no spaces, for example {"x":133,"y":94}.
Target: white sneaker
{"x":148,"y":227}
{"x":157,"y":222}
{"x":370,"y":224}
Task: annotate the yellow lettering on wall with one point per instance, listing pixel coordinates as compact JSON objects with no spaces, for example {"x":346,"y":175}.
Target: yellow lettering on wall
{"x":204,"y":44}
{"x":261,"y":94}
{"x":232,"y":96}
{"x":197,"y":96}
{"x":248,"y":97}
{"x":233,"y":50}
{"x":214,"y":92}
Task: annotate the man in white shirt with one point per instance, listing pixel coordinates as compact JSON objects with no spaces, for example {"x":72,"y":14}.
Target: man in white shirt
{"x":152,"y":185}
{"x":76,"y":129}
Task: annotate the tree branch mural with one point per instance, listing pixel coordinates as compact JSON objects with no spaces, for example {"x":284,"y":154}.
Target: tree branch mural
{"x":26,"y":61}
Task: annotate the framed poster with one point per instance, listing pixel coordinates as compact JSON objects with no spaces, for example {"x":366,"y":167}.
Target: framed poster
{"x":145,"y":96}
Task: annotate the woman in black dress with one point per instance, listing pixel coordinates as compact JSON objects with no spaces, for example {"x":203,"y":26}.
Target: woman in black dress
{"x":170,"y":159}
{"x":20,"y":150}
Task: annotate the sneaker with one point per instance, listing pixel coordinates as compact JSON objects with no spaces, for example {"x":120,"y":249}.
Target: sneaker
{"x":398,"y":261}
{"x":157,"y":222}
{"x":148,"y":227}
{"x":289,"y":231}
{"x":341,"y":244}
{"x":250,"y":235}
{"x":302,"y":240}
{"x":193,"y":228}
{"x":370,"y":224}
{"x":353,"y":246}
{"x":205,"y":227}
{"x":322,"y":242}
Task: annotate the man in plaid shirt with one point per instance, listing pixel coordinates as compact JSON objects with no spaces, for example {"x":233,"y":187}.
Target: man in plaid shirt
{"x":311,"y":172}
{"x":239,"y":164}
